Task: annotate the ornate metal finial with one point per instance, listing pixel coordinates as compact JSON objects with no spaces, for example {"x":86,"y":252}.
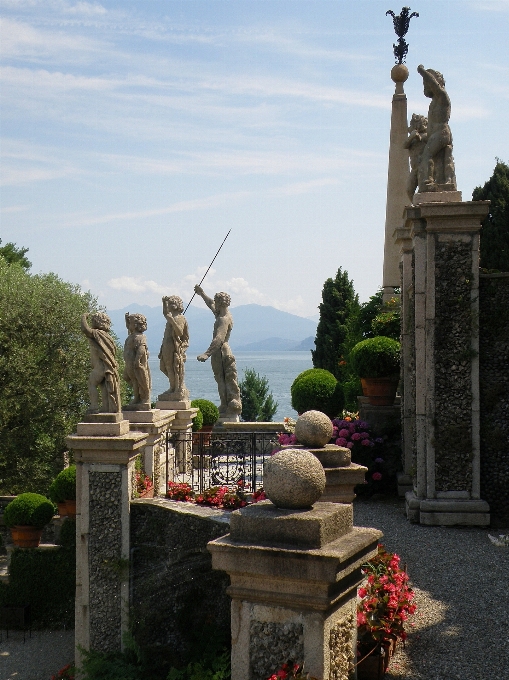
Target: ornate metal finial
{"x":401,"y":25}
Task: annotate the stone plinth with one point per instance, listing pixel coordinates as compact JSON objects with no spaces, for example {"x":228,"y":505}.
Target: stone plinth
{"x":104,"y":469}
{"x":290,"y":601}
{"x":441,"y":367}
{"x":155,"y":423}
{"x":341,"y":475}
{"x":181,"y":429}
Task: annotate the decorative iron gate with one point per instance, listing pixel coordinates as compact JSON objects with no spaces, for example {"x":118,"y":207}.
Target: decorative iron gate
{"x":203,"y":459}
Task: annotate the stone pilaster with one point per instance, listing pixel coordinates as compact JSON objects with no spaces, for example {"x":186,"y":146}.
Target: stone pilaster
{"x":155,"y":423}
{"x":445,"y":240}
{"x":104,"y":469}
{"x":294,"y":577}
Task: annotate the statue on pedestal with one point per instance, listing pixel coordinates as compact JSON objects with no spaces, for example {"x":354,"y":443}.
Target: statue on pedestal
{"x":104,"y":364}
{"x":417,"y":138}
{"x":137,"y":371}
{"x":436,"y":167}
{"x":221,"y":357}
{"x":172,"y":354}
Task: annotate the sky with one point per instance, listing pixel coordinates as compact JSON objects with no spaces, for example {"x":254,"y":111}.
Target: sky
{"x":135,"y":134}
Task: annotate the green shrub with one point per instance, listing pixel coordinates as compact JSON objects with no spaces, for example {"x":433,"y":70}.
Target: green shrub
{"x":197,"y":420}
{"x":46,"y":579}
{"x":29,"y":509}
{"x":376,"y":357}
{"x":68,"y":533}
{"x":53,"y":493}
{"x":209,"y":410}
{"x":258,"y":404}
{"x":64,"y":485}
{"x":317,"y":389}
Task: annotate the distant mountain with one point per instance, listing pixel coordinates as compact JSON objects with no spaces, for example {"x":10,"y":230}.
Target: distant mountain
{"x":253,"y":324}
{"x":278,"y":345}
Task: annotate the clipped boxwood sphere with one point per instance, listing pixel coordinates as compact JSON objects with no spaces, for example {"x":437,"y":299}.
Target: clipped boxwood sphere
{"x":63,"y":487}
{"x":317,"y":390}
{"x":29,"y":509}
{"x":208,"y":409}
{"x":197,"y":422}
{"x":377,"y":357}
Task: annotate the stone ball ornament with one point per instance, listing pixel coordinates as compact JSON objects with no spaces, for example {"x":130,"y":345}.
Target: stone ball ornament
{"x":293,"y":479}
{"x":399,"y":73}
{"x":313,"y":429}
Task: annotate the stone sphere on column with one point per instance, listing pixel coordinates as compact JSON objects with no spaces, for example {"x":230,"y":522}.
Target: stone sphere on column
{"x":313,"y":428}
{"x":399,"y":73}
{"x":293,"y":478}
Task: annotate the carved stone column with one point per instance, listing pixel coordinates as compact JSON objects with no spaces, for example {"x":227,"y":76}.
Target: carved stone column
{"x":104,"y":452}
{"x":445,"y":238}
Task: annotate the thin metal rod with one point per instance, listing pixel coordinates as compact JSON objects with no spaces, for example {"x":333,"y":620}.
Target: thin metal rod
{"x":210,"y":265}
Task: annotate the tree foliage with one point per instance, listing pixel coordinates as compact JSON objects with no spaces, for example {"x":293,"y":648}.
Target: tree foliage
{"x":339,"y":304}
{"x":44,"y":369}
{"x":14,"y":255}
{"x":258,"y":404}
{"x":495,"y":227}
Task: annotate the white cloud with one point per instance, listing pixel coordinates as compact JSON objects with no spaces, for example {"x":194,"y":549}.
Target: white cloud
{"x":22,"y":39}
{"x":137,"y":284}
{"x":85,"y":8}
{"x":13,"y":208}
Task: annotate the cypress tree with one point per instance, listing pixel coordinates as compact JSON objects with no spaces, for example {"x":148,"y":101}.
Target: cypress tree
{"x":495,"y":228}
{"x":339,"y":304}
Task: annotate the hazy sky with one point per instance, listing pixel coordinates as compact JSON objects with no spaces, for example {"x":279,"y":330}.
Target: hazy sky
{"x":134,"y":135}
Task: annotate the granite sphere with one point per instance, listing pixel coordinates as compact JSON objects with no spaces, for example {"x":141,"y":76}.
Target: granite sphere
{"x":313,"y":428}
{"x":293,"y":478}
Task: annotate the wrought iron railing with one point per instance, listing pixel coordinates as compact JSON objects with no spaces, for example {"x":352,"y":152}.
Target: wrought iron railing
{"x":203,"y":459}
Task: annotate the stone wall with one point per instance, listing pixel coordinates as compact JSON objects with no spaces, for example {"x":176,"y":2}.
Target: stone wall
{"x":175,"y":595}
{"x":494,"y":386}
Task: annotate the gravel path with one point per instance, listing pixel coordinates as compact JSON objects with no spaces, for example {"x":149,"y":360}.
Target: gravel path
{"x":42,"y":655}
{"x":461,"y":627}
{"x":461,"y":580}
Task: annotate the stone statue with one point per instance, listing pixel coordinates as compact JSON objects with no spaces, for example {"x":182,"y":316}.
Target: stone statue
{"x":137,"y":371}
{"x":221,"y":357}
{"x":172,"y":354}
{"x":415,"y":144}
{"x":436,"y":167}
{"x":104,"y":364}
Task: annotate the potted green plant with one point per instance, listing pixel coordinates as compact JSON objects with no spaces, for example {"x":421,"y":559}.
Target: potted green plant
{"x":26,"y":516}
{"x":210,"y":414}
{"x":376,"y":361}
{"x":64,"y":486}
{"x":58,"y":500}
{"x":317,"y":390}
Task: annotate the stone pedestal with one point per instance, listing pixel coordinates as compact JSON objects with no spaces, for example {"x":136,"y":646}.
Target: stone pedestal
{"x":294,"y":577}
{"x":104,"y":469}
{"x":441,"y":315}
{"x":155,"y":423}
{"x":181,"y":429}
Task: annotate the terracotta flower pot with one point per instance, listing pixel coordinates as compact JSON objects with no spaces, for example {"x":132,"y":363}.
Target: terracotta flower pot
{"x":25,"y":536}
{"x":374,"y":665}
{"x":380,"y":391}
{"x":70,"y":506}
{"x":62,"y":509}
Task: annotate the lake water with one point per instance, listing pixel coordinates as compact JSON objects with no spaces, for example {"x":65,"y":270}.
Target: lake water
{"x":280,"y":368}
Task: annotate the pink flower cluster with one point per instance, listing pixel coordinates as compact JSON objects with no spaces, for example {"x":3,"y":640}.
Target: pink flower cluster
{"x":214,"y":497}
{"x":349,"y":432}
{"x":286,"y":439}
{"x":386,"y":600}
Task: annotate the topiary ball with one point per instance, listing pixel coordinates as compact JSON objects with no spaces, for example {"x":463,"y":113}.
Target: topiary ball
{"x":313,"y":429}
{"x":29,"y":509}
{"x":67,"y":537}
{"x":209,"y":411}
{"x":317,"y":390}
{"x":377,"y":357}
{"x":197,"y":422}
{"x":64,"y":485}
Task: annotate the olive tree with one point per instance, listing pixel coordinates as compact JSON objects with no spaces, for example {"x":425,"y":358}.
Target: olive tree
{"x":44,"y":368}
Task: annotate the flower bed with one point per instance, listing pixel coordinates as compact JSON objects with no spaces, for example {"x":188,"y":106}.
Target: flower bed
{"x":216,"y":496}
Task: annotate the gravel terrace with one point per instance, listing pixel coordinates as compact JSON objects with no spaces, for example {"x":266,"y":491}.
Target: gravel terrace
{"x":461,"y":627}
